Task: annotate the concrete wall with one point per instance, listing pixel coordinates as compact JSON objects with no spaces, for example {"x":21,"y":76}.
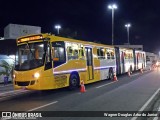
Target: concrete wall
{"x":13,"y":31}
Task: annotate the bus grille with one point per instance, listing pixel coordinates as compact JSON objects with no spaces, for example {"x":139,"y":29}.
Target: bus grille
{"x":23,"y":83}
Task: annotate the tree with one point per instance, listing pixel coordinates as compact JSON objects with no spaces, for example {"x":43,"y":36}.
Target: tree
{"x":7,"y":68}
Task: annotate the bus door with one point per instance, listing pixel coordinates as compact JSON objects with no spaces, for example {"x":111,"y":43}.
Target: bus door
{"x":134,"y":56}
{"x":89,"y":58}
{"x":118,"y":64}
{"x":144,"y":64}
{"x":137,"y":57}
{"x":122,"y":60}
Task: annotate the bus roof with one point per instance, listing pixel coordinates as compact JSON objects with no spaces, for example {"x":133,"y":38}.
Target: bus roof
{"x":58,"y":38}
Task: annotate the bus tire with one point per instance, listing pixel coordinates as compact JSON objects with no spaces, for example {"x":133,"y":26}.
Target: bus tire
{"x":73,"y":81}
{"x":111,"y":75}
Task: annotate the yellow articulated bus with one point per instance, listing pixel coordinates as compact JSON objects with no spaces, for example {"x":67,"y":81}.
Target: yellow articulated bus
{"x":46,"y":61}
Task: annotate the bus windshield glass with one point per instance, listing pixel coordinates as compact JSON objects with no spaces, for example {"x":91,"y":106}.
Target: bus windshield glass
{"x":30,"y":56}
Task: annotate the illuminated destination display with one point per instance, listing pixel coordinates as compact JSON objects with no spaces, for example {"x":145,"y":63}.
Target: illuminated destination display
{"x":37,"y":37}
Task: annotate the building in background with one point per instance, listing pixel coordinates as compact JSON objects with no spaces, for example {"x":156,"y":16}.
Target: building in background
{"x":13,"y":31}
{"x":137,"y":47}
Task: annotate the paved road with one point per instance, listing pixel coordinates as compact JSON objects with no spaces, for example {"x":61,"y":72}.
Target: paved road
{"x":128,"y":94}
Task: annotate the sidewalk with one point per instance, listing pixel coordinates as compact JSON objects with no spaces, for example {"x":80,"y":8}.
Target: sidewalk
{"x":6,"y":88}
{"x":7,"y":91}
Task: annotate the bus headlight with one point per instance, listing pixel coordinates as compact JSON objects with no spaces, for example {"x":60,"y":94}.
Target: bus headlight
{"x":36,"y":75}
{"x":14,"y":76}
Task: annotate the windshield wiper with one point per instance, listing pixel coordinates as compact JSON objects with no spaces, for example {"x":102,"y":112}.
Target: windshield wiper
{"x":30,"y":50}
{"x":32,"y":53}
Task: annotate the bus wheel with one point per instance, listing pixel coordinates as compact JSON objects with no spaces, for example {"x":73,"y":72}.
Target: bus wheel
{"x":111,"y":75}
{"x":73,"y":81}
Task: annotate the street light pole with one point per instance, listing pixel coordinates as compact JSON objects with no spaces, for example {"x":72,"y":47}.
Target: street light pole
{"x":128,"y":26}
{"x":112,"y":26}
{"x":57,"y":27}
{"x":112,"y":7}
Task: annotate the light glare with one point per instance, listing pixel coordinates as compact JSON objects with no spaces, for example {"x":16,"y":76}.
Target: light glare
{"x":57,"y":26}
{"x":128,"y":25}
{"x":36,"y":75}
{"x":113,"y":6}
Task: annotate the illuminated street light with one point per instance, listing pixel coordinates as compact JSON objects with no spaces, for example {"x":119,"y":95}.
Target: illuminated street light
{"x":128,"y":26}
{"x":57,"y":27}
{"x":112,"y":7}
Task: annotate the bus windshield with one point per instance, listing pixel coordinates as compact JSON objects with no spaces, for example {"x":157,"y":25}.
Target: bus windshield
{"x":30,"y":56}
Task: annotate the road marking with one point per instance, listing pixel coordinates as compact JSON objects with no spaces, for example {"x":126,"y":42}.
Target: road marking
{"x":146,"y":104}
{"x":42,"y":106}
{"x":106,"y":84}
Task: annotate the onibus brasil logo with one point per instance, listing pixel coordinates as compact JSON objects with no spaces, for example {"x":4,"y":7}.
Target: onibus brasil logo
{"x":20,"y":115}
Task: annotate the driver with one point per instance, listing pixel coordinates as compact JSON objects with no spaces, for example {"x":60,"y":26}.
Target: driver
{"x":36,"y":52}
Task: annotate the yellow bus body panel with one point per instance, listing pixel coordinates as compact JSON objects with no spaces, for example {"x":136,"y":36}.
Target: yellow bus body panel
{"x":59,"y":77}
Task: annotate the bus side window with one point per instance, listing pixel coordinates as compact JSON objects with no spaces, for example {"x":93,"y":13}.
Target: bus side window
{"x":112,"y":55}
{"x":69,"y":53}
{"x":72,"y":51}
{"x":108,"y":55}
{"x":75,"y":54}
{"x":125,"y":55}
{"x":130,"y":55}
{"x":81,"y":53}
{"x":100,"y":53}
{"x":82,"y":50}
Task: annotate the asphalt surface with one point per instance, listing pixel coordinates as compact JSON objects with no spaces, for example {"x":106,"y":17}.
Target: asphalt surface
{"x":126,"y":94}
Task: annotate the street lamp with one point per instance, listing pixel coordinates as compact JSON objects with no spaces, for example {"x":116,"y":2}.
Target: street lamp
{"x":112,"y":7}
{"x":57,"y":27}
{"x":128,"y":26}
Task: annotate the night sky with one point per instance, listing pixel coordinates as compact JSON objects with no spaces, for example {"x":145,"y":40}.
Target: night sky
{"x":91,"y":19}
